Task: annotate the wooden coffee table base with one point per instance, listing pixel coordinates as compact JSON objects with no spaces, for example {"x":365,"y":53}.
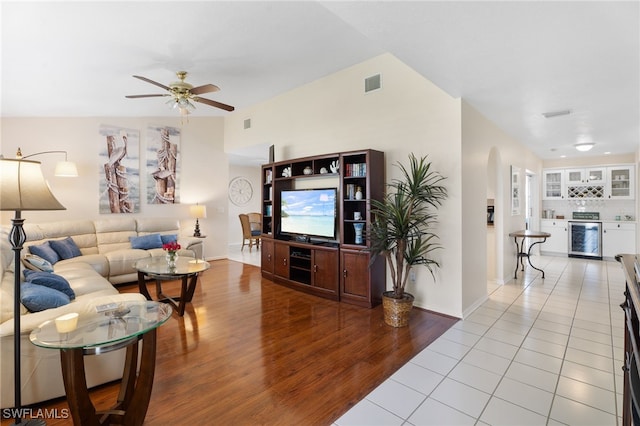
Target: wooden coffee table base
{"x":187,"y":289}
{"x":135,"y":391}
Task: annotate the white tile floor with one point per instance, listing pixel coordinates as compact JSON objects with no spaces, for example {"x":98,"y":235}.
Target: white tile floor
{"x":235,"y":252}
{"x":537,"y":352}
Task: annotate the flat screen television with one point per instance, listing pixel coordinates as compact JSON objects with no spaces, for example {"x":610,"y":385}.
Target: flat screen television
{"x":310,"y":212}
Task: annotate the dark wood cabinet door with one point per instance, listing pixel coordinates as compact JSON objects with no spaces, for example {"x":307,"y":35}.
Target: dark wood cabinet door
{"x":281,"y":260}
{"x":267,"y":255}
{"x":325,"y":269}
{"x":355,"y":274}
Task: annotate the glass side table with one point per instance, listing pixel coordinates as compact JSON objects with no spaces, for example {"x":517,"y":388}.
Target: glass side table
{"x":186,"y":270}
{"x":125,"y":326}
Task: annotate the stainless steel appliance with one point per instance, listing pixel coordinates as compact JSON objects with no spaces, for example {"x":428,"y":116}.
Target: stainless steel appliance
{"x":585,"y":239}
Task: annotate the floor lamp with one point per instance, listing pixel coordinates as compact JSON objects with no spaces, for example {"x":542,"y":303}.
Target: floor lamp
{"x":22,"y":188}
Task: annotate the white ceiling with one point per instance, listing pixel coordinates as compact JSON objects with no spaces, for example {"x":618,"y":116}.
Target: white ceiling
{"x":510,"y":60}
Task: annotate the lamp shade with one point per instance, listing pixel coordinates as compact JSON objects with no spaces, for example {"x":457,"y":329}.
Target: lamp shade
{"x":198,"y":211}
{"x":66,"y":169}
{"x":23,"y":187}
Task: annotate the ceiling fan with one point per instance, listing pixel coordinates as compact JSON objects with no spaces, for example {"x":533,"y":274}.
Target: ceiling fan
{"x":182,"y":93}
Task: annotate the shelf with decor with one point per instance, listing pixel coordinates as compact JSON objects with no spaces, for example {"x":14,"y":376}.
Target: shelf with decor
{"x":267,"y":200}
{"x":362,"y":179}
{"x":302,"y":248}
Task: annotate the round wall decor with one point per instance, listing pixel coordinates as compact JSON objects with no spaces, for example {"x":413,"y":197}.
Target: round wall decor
{"x":240,"y":191}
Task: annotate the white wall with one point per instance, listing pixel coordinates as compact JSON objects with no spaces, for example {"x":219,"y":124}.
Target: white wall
{"x":252,"y":173}
{"x":479,"y":137}
{"x":203,"y":177}
{"x":409,"y":114}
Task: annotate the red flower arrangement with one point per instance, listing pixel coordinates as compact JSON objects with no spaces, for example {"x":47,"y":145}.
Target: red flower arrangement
{"x":171,"y":247}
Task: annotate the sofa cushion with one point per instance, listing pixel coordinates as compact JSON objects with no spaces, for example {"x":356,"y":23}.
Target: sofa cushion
{"x":146,"y":242}
{"x":50,"y":280}
{"x":98,"y":262}
{"x":121,"y":261}
{"x":36,"y":263}
{"x":39,"y":298}
{"x":45,"y":251}
{"x":66,"y":248}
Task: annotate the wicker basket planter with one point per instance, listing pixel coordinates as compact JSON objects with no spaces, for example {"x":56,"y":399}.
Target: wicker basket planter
{"x":397,"y":311}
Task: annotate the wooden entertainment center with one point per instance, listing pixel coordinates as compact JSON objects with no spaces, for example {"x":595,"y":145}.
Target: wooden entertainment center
{"x":339,"y":268}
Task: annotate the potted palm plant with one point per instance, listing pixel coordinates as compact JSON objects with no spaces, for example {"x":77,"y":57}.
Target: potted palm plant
{"x":401,"y":231}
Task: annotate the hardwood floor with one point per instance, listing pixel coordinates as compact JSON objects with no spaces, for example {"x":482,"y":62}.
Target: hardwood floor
{"x":249,"y":351}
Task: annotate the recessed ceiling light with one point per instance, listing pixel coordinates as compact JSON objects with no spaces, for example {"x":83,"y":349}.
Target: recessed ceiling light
{"x":553,"y":114}
{"x":584,"y":147}
{"x":607,"y":153}
{"x":563,"y":156}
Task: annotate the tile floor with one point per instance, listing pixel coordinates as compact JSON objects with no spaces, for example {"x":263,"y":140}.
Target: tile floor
{"x":537,"y":352}
{"x":235,"y":252}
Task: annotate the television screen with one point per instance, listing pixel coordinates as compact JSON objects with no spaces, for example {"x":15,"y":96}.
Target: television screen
{"x":309,"y":212}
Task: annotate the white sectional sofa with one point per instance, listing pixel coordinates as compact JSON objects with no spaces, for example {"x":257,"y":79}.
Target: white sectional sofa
{"x":106,"y":246}
{"x":107,"y":259}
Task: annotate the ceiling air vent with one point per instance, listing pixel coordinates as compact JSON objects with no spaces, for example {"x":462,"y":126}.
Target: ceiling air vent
{"x":372,"y":83}
{"x":247,"y":123}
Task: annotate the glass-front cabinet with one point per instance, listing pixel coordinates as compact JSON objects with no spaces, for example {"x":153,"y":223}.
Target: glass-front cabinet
{"x":589,"y":175}
{"x":620,"y":184}
{"x":553,"y":185}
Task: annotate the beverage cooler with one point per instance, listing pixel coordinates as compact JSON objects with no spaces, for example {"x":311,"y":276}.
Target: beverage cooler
{"x":585,"y":239}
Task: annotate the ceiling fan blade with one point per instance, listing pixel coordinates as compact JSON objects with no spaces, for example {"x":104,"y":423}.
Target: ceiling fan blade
{"x":152,"y":82}
{"x":214,"y":103}
{"x":205,"y":88}
{"x":144,"y":96}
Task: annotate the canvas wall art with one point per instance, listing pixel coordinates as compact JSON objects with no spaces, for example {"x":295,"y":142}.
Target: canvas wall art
{"x":163,"y":165}
{"x":119,"y":160}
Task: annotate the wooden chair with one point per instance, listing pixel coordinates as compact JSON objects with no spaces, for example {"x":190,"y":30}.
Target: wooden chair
{"x":255,"y":220}
{"x":248,"y":236}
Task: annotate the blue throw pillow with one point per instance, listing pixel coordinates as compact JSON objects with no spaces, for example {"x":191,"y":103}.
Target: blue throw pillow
{"x":38,"y":298}
{"x":66,"y":248}
{"x":45,"y":251}
{"x":146,"y":242}
{"x":169,"y":238}
{"x":50,"y":280}
{"x":32,"y":261}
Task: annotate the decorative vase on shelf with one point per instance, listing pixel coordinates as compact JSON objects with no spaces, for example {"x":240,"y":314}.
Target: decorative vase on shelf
{"x":172,"y":258}
{"x":358,"y":193}
{"x":359,"y":227}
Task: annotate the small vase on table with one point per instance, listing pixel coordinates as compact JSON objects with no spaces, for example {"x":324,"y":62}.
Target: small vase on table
{"x":172,"y":258}
{"x":172,"y":253}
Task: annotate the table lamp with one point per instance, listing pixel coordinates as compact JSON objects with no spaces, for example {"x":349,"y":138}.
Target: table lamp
{"x":22,"y":188}
{"x":198,"y":212}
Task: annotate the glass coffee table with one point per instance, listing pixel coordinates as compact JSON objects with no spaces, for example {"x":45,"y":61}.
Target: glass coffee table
{"x":125,"y":325}
{"x":186,"y":270}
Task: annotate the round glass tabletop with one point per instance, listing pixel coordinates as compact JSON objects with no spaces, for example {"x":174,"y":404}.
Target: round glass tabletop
{"x":160,"y":266}
{"x":107,"y":330}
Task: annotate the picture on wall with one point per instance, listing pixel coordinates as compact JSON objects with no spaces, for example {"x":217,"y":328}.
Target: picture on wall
{"x":515,"y":190}
{"x":119,"y":159}
{"x":163,"y":165}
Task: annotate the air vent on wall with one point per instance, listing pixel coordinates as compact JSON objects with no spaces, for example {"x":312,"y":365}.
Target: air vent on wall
{"x":247,"y":123}
{"x":372,"y":83}
{"x":553,"y":114}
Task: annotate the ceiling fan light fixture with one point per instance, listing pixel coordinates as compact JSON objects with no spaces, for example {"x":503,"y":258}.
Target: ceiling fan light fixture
{"x":584,"y":147}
